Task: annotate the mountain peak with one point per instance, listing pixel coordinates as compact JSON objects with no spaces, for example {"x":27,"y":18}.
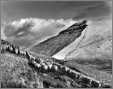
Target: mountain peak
{"x":76,"y":26}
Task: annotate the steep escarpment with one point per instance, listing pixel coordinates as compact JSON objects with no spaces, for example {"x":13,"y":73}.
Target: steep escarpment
{"x":54,"y":44}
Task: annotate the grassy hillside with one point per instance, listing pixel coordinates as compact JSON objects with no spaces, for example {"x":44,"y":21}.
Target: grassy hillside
{"x":17,"y":73}
{"x":21,"y":69}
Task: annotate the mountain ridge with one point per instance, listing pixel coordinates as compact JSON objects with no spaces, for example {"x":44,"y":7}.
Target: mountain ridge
{"x":56,"y":43}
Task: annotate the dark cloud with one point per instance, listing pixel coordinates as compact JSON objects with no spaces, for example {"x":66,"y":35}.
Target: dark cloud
{"x":100,"y":10}
{"x":54,"y":9}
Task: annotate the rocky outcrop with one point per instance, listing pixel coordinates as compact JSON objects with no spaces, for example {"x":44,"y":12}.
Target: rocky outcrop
{"x":54,"y":44}
{"x":19,"y":68}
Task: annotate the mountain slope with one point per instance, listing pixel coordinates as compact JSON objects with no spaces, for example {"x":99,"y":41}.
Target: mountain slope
{"x":54,"y":44}
{"x":20,"y":69}
{"x":97,"y":36}
{"x":97,"y":42}
{"x":95,"y":50}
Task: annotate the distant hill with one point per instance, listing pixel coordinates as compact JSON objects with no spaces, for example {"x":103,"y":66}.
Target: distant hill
{"x":54,"y":44}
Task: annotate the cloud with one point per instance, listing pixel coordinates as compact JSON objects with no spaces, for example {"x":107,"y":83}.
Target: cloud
{"x":95,"y":11}
{"x":34,"y":29}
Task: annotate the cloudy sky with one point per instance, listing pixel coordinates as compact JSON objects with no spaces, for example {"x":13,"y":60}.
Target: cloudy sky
{"x":40,"y":19}
{"x":12,"y":10}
